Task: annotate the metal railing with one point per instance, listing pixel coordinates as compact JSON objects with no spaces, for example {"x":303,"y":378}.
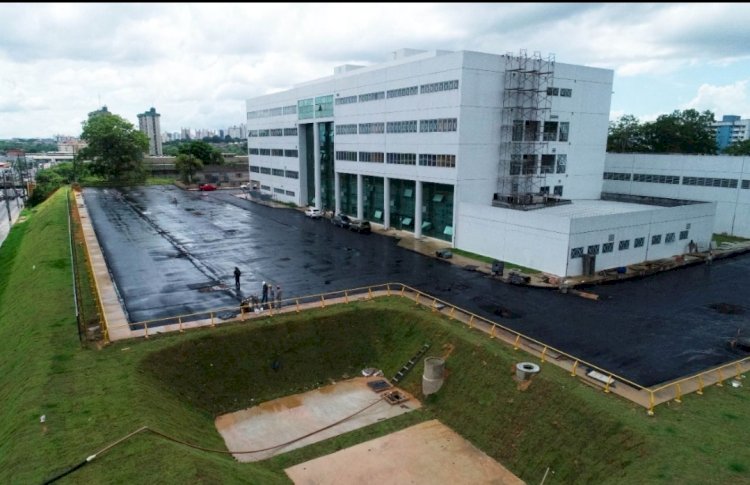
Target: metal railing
{"x":607,"y":381}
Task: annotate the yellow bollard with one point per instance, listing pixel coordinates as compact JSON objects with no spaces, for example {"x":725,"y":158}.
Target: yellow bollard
{"x":213,"y":324}
{"x":453,"y":309}
{"x":650,"y":411}
{"x":369,"y":293}
{"x":679,"y":394}
{"x":575,"y":366}
{"x":242,"y":314}
{"x":515,"y":344}
{"x":322,"y":301}
{"x":492,"y":332}
{"x":388,"y":288}
{"x":346,"y":296}
{"x":297,"y":302}
{"x":416,"y":299}
{"x":402,"y":290}
{"x":145,"y":326}
{"x":543,"y":353}
{"x":434,"y":305}
{"x":180,"y":322}
{"x":606,"y":386}
{"x":700,"y":386}
{"x":737,"y":366}
{"x":471,"y":322}
{"x":719,"y":384}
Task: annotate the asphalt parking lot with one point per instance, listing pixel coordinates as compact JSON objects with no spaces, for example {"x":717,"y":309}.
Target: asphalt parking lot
{"x":173,"y":252}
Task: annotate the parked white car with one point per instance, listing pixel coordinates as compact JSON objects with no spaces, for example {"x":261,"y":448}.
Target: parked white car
{"x":313,"y":213}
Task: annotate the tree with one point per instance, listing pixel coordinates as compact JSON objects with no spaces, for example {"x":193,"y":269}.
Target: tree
{"x":738,"y":148}
{"x":202,"y":151}
{"x":626,"y":136}
{"x":682,"y":132}
{"x":115,"y":148}
{"x":187,"y":165}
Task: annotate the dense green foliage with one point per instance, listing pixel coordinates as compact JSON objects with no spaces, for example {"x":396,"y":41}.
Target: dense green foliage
{"x":29,"y":145}
{"x":187,"y":165}
{"x":50,"y":179}
{"x":686,"y":131}
{"x":203,"y":151}
{"x":738,"y":148}
{"x":115,"y":148}
{"x":172,"y":148}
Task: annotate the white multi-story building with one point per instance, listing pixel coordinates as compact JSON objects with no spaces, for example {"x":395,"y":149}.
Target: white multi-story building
{"x":731,"y":129}
{"x":501,"y":155}
{"x":149,"y":124}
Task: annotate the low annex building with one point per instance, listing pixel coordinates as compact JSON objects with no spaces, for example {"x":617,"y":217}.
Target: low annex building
{"x":501,"y":155}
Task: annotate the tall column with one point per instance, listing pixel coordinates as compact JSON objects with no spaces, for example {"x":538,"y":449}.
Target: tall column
{"x":337,"y":192}
{"x":360,"y":197}
{"x":418,"y":210}
{"x":316,"y":147}
{"x":386,"y":203}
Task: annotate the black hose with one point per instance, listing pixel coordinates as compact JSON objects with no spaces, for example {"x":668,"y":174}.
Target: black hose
{"x":67,"y":472}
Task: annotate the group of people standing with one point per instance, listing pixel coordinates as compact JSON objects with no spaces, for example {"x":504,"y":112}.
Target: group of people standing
{"x":270,"y":296}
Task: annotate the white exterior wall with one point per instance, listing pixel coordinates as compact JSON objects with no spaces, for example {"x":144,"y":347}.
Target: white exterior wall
{"x":732,"y":204}
{"x":542,"y":240}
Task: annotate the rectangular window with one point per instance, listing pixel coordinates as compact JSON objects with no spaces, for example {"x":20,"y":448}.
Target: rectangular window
{"x":290,"y":110}
{"x":371,"y":128}
{"x":255,"y":169}
{"x":437,"y":87}
{"x":564,"y":130}
{"x":346,"y":129}
{"x":576,"y":253}
{"x":550,"y":131}
{"x":608,"y":247}
{"x":290,"y":131}
{"x":548,"y":164}
{"x":263,"y":132}
{"x":593,"y":249}
{"x":566,"y":92}
{"x":683,"y":235}
{"x":277,"y":152}
{"x":291,"y":153}
{"x":430,"y":160}
{"x":291,"y":174}
{"x":265,"y":170}
{"x":553,"y":91}
{"x":363,"y":98}
{"x":746,"y":184}
{"x":277,"y":172}
{"x":402,"y":158}
{"x":277,"y":132}
{"x":656,"y":239}
{"x":265,"y":187}
{"x":638,"y":242}
{"x":324,"y":106}
{"x":624,"y":245}
{"x":278,"y":191}
{"x":289,"y":192}
{"x":372,"y":157}
{"x":396,"y":93}
{"x":531,"y":130}
{"x":558,"y":191}
{"x":346,"y":100}
{"x":252,"y":133}
{"x":438,"y":125}
{"x":306,"y":108}
{"x":401,"y":126}
{"x":253,"y":151}
{"x":562,"y":161}
{"x":346,"y":156}
{"x":265,"y":151}
{"x":669,"y":238}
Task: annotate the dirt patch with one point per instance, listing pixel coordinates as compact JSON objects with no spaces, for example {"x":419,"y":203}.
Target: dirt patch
{"x":291,"y":422}
{"x":427,"y":453}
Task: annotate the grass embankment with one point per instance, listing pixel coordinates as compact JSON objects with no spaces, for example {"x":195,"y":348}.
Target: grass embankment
{"x":721,"y":238}
{"x":179,"y":383}
{"x":488,"y":260}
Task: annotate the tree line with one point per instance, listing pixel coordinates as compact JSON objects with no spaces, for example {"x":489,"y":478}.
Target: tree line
{"x":688,"y":131}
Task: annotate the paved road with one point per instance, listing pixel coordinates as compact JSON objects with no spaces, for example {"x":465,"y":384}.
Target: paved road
{"x":5,"y":225}
{"x":165,"y":246}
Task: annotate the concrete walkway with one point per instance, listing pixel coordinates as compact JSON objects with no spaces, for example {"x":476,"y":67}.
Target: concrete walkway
{"x":115,"y":321}
{"x":5,"y":224}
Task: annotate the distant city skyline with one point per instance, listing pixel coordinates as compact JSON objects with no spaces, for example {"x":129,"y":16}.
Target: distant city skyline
{"x":197,"y":64}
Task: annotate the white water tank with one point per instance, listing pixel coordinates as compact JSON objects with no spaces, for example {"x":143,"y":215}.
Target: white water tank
{"x":525,"y":370}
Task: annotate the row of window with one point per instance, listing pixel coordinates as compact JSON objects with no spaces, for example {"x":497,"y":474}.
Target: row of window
{"x":290,"y":174}
{"x":437,"y":87}
{"x":409,"y":126}
{"x":273,"y":132}
{"x":346,"y":100}
{"x":528,"y":130}
{"x":401,"y":126}
{"x":274,"y":152}
{"x":675,"y":180}
{"x":527,"y":164}
{"x":266,"y":113}
{"x":425,"y":159}
{"x":399,"y":92}
{"x":277,"y":190}
{"x":624,"y":245}
{"x":563,"y":92}
{"x":363,"y":98}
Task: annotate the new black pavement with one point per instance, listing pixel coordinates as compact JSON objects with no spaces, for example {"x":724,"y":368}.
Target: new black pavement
{"x":173,"y":252}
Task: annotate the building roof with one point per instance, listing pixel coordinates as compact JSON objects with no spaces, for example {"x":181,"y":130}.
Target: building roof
{"x":589,"y":208}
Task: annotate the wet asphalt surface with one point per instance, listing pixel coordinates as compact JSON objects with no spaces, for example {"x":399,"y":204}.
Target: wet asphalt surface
{"x":173,"y":252}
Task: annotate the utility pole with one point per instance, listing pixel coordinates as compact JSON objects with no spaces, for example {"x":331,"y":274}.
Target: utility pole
{"x":7,"y":202}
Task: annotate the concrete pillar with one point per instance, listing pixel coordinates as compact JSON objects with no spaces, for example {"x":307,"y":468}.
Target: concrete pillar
{"x":418,"y":210}
{"x":360,"y":197}
{"x":316,"y":147}
{"x":386,"y":202}
{"x":337,"y":192}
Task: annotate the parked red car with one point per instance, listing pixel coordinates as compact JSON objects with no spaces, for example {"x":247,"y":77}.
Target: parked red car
{"x":207,"y":187}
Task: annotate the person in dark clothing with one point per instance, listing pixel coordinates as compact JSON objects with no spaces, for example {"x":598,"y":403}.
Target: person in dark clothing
{"x":237,"y":274}
{"x":264,"y":296}
{"x":278,"y":297}
{"x":272,"y":296}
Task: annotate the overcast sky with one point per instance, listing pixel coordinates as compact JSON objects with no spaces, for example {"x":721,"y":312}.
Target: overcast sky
{"x":198,"y":63}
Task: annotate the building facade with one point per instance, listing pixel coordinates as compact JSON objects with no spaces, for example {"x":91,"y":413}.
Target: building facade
{"x":488,"y":152}
{"x":731,"y":129}
{"x":149,"y":124}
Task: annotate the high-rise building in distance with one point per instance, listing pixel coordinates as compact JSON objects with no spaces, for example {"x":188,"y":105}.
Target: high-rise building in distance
{"x":149,"y":124}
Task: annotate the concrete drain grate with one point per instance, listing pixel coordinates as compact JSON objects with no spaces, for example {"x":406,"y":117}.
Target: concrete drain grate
{"x":395,"y":397}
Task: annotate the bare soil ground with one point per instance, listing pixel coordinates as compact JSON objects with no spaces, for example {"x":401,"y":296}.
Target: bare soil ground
{"x":429,"y":453}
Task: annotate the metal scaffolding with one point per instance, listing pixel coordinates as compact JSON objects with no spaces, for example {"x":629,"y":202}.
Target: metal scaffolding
{"x":526,"y":106}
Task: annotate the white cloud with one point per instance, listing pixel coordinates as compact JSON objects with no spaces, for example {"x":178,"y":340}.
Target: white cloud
{"x":728,"y":99}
